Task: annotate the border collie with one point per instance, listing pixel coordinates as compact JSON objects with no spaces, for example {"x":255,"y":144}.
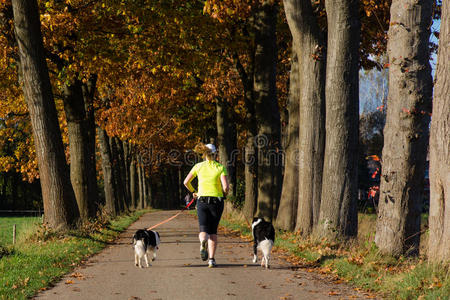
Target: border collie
{"x":143,"y":242}
{"x":263,"y":238}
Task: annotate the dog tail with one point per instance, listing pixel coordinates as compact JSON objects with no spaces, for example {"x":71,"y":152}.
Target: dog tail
{"x":266,"y":247}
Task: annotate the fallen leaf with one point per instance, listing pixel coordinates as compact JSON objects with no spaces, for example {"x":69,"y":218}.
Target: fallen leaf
{"x":77,"y":275}
{"x":69,"y":282}
{"x":333,"y":293}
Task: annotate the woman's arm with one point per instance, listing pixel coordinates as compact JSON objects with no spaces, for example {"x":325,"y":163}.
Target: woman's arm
{"x":187,"y":183}
{"x":225,"y":186}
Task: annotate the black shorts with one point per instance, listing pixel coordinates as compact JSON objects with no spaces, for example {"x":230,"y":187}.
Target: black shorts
{"x":209,"y":211}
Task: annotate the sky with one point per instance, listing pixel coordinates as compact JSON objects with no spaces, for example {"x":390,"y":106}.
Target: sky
{"x":373,"y":84}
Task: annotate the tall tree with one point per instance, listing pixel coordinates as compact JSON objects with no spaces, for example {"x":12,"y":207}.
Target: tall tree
{"x":266,"y":110}
{"x":406,"y":130}
{"x":338,"y":214}
{"x":226,"y":140}
{"x":80,"y":158}
{"x":89,"y":88}
{"x":250,"y":149}
{"x":309,"y":45}
{"x":108,"y":173}
{"x":60,"y":208}
{"x":287,"y":212}
{"x":439,"y":219}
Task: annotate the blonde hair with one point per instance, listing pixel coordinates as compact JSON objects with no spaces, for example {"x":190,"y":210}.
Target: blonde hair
{"x":204,"y":151}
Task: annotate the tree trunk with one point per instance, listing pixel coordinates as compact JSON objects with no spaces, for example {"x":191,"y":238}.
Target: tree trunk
{"x":406,"y":131}
{"x":338,"y":212}
{"x":309,"y":45}
{"x":125,"y":156}
{"x":60,"y":208}
{"x":439,"y":220}
{"x":144,"y":188}
{"x":267,"y":112}
{"x":80,"y":159}
{"x":140,"y":181}
{"x":133,"y":182}
{"x":225,"y":141}
{"x":118,"y":174}
{"x":251,"y":151}
{"x":88,"y":95}
{"x":108,"y":174}
{"x":289,"y":196}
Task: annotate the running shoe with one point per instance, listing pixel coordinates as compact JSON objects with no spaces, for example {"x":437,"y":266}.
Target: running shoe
{"x":203,"y":250}
{"x":212,"y":263}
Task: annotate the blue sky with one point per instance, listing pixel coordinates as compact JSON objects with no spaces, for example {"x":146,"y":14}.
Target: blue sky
{"x":373,"y":85}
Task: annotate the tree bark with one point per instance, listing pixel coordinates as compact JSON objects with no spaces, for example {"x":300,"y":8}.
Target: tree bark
{"x":226,"y":141}
{"x":309,"y":45}
{"x":133,"y":182}
{"x":117,"y":165}
{"x":88,"y":94}
{"x":439,"y":219}
{"x":144,"y":188}
{"x":338,"y":211}
{"x":267,"y":111}
{"x":251,"y":151}
{"x":60,"y":208}
{"x":406,"y":130}
{"x":108,"y":174}
{"x":140,"y":181}
{"x":80,"y":158}
{"x":125,"y":157}
{"x":289,"y":196}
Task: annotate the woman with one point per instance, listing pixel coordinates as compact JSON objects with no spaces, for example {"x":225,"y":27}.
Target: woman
{"x":212,"y":186}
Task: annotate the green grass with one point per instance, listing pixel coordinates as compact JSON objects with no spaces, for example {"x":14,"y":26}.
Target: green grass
{"x":35,"y":264}
{"x":23,"y":226}
{"x":361,"y":264}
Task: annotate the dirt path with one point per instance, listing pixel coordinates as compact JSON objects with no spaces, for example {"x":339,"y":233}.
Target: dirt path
{"x":179,"y":273}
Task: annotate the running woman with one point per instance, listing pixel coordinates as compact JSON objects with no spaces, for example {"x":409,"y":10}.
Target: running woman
{"x":212,"y":186}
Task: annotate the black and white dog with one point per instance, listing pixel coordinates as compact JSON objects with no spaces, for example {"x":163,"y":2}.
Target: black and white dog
{"x":145,"y":241}
{"x":263,"y":238}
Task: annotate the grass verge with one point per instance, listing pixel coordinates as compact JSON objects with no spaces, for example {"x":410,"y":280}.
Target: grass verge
{"x":36,"y":263}
{"x":23,"y":224}
{"x":360,"y":263}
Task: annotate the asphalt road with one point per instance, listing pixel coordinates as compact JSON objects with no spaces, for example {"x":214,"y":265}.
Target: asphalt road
{"x":179,"y":273}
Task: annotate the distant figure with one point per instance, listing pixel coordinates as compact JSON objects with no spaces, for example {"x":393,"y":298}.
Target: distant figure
{"x":212,"y":186}
{"x":187,"y":200}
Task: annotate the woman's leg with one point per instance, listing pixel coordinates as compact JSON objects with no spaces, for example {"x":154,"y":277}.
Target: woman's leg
{"x":212,"y":245}
{"x":216,"y":212}
{"x":202,"y":213}
{"x":202,"y":236}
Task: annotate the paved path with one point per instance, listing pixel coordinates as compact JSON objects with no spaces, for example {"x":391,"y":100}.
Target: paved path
{"x":179,"y":273}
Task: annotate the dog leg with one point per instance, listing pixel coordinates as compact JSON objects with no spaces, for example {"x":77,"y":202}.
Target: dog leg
{"x":266,"y":247}
{"x":146,"y":259}
{"x":255,"y":252}
{"x":267,"y":258}
{"x":154,"y":255}
{"x":136,"y":257}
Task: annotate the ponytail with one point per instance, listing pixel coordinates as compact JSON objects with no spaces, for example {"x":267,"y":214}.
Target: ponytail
{"x":204,"y":151}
